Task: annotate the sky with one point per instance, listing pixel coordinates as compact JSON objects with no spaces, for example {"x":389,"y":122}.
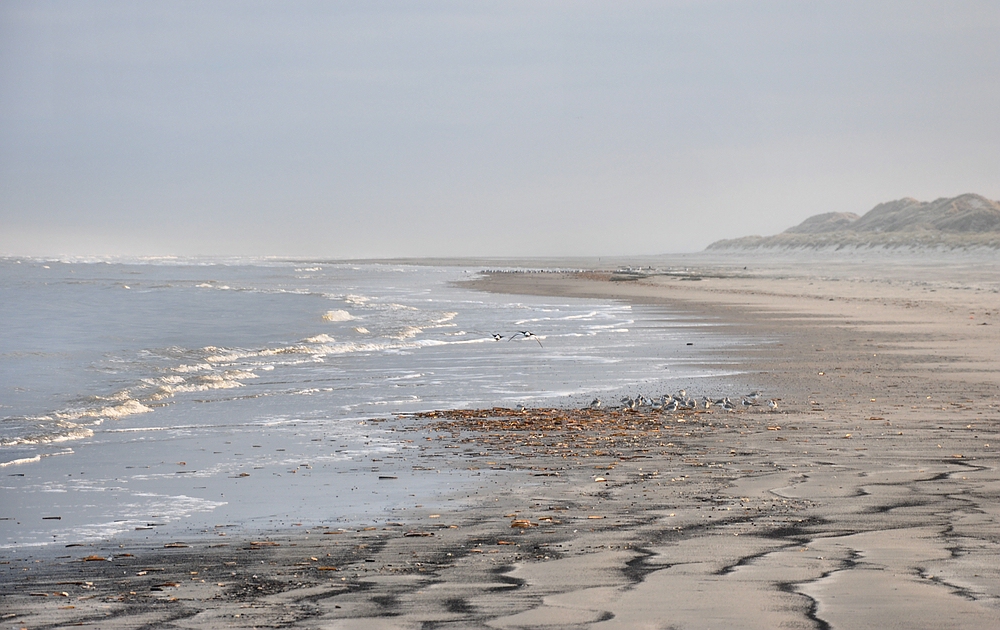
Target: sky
{"x":379,"y":129}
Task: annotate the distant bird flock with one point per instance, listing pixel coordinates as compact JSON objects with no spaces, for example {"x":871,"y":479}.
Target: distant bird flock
{"x":682,"y":402}
{"x":666,"y":402}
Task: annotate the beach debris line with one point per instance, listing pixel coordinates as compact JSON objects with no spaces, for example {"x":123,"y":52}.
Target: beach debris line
{"x":641,"y":427}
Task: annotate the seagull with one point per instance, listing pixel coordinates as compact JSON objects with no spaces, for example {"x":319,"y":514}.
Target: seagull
{"x":527,"y":334}
{"x":497,"y":336}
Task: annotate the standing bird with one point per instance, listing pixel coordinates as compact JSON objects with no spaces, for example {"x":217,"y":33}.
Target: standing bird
{"x":772,"y":404}
{"x":527,"y":334}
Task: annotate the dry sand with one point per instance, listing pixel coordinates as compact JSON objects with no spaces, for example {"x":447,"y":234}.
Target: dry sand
{"x":868,"y":498}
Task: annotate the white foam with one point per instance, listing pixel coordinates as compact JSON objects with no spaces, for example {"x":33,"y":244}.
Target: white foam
{"x":228,"y":380}
{"x":48,"y":430}
{"x":444,"y":321}
{"x":408,"y":332}
{"x":392,"y":306}
{"x":362,"y":330}
{"x":337,"y":316}
{"x":324,"y":338}
{"x":118,"y":412}
{"x":609,"y":327}
{"x":198,"y":367}
{"x":23,"y":460}
{"x":240,"y":375}
{"x":347,"y":348}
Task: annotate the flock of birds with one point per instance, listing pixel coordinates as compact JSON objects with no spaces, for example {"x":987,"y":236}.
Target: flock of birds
{"x":666,"y":402}
{"x":681,"y":401}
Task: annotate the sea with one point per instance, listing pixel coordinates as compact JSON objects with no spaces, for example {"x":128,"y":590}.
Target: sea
{"x":153,"y":399}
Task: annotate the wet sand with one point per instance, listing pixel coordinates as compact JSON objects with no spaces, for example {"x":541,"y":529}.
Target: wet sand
{"x":868,"y":498}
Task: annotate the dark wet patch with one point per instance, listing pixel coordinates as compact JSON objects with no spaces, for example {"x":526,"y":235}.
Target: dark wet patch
{"x":745,"y":560}
{"x":636,"y":569}
{"x":883,"y":509}
{"x":458,"y":605}
{"x":500,"y":574}
{"x":798,"y":532}
{"x":812,"y":609}
{"x":388,"y":603}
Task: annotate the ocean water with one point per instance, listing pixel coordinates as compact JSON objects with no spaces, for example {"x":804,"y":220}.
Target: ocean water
{"x":153,"y":398}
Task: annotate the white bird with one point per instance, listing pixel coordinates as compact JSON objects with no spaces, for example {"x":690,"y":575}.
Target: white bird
{"x":527,"y":334}
{"x":772,"y":404}
{"x":497,"y":336}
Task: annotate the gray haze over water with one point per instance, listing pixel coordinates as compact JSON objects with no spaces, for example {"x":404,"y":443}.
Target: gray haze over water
{"x":378,"y":129}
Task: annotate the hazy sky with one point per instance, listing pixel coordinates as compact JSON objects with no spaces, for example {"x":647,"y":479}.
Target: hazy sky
{"x":480,"y":128}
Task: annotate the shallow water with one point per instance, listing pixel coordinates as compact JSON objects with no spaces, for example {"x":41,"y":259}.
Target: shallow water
{"x":144,"y":398}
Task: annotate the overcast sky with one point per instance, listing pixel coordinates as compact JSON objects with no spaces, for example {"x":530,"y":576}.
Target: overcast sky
{"x":376,"y":129}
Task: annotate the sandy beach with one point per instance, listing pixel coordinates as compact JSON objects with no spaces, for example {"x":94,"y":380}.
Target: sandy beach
{"x":869,"y":497}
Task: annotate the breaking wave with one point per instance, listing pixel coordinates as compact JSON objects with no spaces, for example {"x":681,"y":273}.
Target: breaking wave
{"x":337,"y":316}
